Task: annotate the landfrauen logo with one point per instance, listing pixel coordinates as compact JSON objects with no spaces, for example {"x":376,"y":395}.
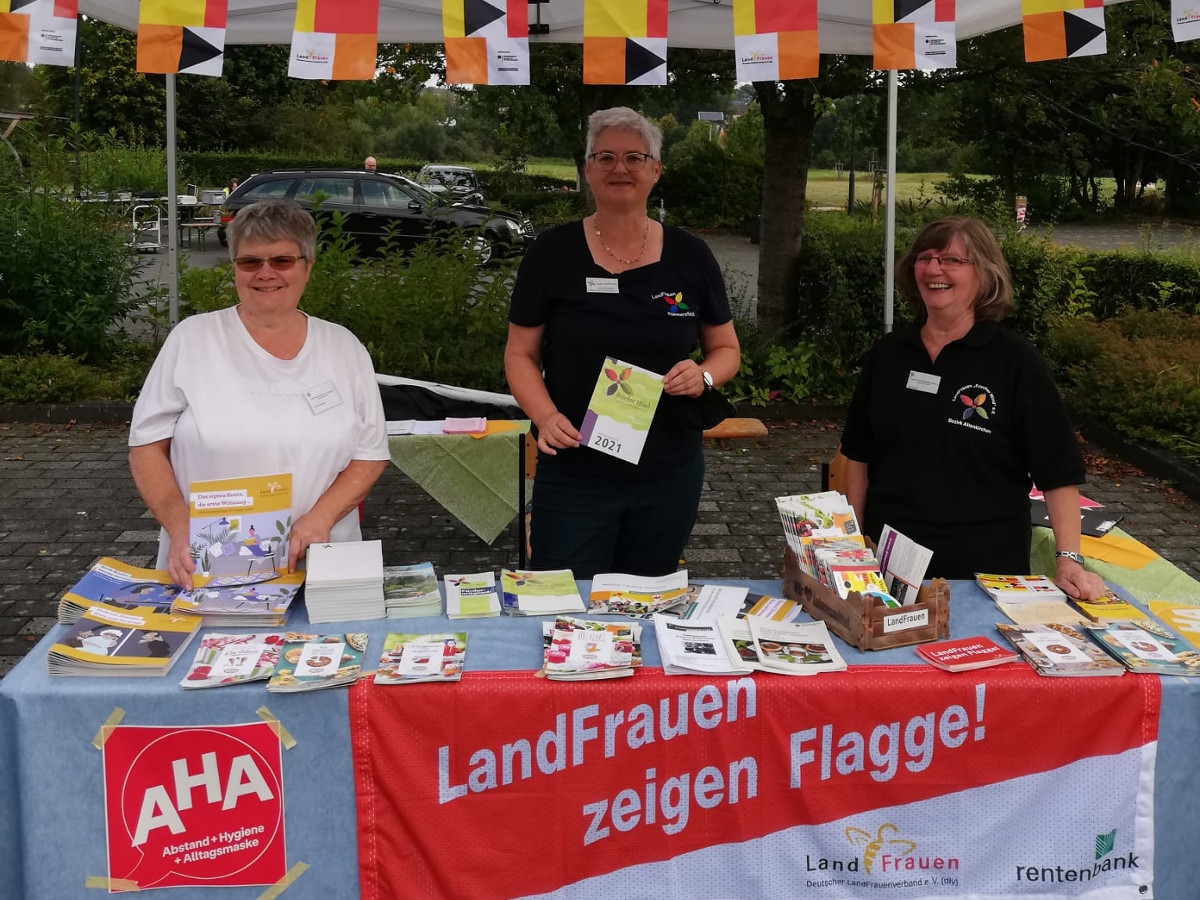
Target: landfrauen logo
{"x":977,"y":404}
{"x":675,"y":304}
{"x":886,"y":852}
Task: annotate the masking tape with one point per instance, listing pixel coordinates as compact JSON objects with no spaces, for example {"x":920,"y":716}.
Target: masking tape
{"x":283,"y":883}
{"x":282,"y":733}
{"x":114,"y":884}
{"x":110,"y":723}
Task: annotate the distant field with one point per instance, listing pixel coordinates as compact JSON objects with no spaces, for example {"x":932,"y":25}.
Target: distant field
{"x":829,"y":188}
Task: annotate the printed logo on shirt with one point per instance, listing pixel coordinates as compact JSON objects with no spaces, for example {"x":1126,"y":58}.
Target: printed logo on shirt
{"x":975,"y":407}
{"x":675,"y":303}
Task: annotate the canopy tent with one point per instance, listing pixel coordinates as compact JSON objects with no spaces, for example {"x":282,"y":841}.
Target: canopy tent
{"x":844,"y":27}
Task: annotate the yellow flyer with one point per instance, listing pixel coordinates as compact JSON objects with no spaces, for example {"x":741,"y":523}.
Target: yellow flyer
{"x":622,"y":407}
{"x":239,"y":529}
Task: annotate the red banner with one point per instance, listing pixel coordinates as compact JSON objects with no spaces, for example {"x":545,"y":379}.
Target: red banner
{"x":505,"y":785}
{"x":194,"y":806}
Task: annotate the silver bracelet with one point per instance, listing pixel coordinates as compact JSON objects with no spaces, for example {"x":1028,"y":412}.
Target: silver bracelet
{"x":1071,"y":555}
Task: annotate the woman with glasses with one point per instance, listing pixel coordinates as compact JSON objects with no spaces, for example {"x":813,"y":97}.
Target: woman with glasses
{"x":955,"y":417}
{"x":260,"y":389}
{"x":621,"y":285}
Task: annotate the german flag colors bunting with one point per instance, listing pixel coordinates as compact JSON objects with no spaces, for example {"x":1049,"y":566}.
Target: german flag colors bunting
{"x":182,"y":36}
{"x":625,"y":42}
{"x":38,"y":31}
{"x":487,"y":41}
{"x":1061,"y":29}
{"x":775,"y":40}
{"x":913,"y":34}
{"x":335,"y":40}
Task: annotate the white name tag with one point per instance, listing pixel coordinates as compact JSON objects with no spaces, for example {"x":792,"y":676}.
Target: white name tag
{"x":323,"y":397}
{"x":922,"y":381}
{"x":602,"y":286}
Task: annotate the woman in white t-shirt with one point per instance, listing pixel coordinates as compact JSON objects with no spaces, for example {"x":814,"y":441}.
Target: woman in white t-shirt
{"x":260,"y":389}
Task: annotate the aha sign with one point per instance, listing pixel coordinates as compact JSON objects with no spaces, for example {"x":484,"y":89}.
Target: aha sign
{"x":194,"y":806}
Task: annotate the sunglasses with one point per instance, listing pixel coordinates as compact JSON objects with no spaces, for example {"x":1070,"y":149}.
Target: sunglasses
{"x":254,"y":263}
{"x":633,"y":160}
{"x":946,"y":262}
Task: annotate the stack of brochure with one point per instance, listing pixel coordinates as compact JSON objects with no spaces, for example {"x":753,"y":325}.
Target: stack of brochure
{"x":1059,"y":650}
{"x":414,"y":658}
{"x":636,"y":595}
{"x":345,"y":582}
{"x":225,"y":659}
{"x":411,"y":591}
{"x":964,"y":654}
{"x":695,"y":647}
{"x":108,"y":640}
{"x":1109,"y":608}
{"x":722,"y":601}
{"x":314,"y":661}
{"x":1030,"y":599}
{"x":795,"y":648}
{"x":116,"y":583}
{"x":827,"y":514}
{"x":583,"y":650}
{"x":262,"y":605}
{"x":472,"y":596}
{"x":550,"y":592}
{"x":1147,"y":646}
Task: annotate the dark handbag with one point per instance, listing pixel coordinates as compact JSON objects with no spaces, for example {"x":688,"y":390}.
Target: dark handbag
{"x":706,"y":411}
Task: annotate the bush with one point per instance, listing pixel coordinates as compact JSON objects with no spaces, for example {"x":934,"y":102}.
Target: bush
{"x":46,"y":378}
{"x":702,"y":186}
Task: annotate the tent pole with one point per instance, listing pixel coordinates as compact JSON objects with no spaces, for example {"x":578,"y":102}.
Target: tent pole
{"x":172,"y":211}
{"x":889,"y":252}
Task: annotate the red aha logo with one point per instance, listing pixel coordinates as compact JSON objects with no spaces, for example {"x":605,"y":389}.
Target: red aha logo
{"x":190,"y":806}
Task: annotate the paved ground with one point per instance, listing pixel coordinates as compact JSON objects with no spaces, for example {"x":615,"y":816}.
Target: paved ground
{"x":66,"y":498}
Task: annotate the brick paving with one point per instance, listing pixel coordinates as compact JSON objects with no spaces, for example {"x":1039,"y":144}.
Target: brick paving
{"x":66,"y":498}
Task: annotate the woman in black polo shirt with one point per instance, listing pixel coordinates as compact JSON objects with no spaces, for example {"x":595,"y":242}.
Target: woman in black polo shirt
{"x":955,"y":417}
{"x":617,"y":284}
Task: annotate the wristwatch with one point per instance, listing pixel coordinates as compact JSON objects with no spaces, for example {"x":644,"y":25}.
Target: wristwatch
{"x":708,"y":380}
{"x":1071,"y":555}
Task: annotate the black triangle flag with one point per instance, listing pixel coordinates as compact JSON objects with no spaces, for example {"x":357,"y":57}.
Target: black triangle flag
{"x":903,"y":8}
{"x":479,"y":14}
{"x":195,"y":50}
{"x":1079,"y":32}
{"x":639,"y":60}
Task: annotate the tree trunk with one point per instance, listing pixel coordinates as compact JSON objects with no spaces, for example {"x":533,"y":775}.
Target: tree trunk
{"x":789,"y":115}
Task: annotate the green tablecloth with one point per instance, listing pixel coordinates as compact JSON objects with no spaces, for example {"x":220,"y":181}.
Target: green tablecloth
{"x":1157,"y":580}
{"x":475,"y":479}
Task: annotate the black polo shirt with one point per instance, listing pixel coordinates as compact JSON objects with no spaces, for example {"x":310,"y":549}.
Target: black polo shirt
{"x":952,"y":447}
{"x":649,"y":316}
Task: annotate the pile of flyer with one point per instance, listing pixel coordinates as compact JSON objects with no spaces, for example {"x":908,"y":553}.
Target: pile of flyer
{"x":583,"y":650}
{"x":550,"y":592}
{"x":636,"y":595}
{"x":345,"y":582}
{"x":418,"y":658}
{"x":411,"y":591}
{"x":261,"y":605}
{"x":737,"y":646}
{"x":310,"y":662}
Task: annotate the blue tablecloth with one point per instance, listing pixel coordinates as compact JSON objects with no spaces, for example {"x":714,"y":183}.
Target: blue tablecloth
{"x":51,"y":803}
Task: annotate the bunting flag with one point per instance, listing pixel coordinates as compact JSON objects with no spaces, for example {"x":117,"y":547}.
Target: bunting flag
{"x":487,"y":41}
{"x":914,"y":34}
{"x":38,"y":31}
{"x":775,"y":40}
{"x":184,"y":36}
{"x":1185,"y":20}
{"x":335,"y":39}
{"x":1061,"y":29}
{"x":625,"y":42}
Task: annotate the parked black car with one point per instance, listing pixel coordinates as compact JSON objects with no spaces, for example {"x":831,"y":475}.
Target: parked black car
{"x":451,"y":182}
{"x":374,"y":202}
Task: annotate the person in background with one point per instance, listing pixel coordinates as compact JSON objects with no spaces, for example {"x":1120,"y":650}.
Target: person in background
{"x":955,"y":417}
{"x":622,"y":285}
{"x":231,"y":187}
{"x":369,"y":164}
{"x":258,"y":389}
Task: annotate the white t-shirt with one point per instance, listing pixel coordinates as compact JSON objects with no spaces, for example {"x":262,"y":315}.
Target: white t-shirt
{"x":233,"y":410}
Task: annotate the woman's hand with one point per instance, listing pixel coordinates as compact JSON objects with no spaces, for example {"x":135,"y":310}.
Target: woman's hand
{"x":1076,"y":581}
{"x":180,"y":564}
{"x":556,"y":433}
{"x":310,"y":528}
{"x":686,"y":378}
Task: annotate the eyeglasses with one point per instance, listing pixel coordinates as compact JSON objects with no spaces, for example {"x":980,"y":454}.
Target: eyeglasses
{"x":946,"y":262}
{"x":633,"y":160}
{"x":254,"y":263}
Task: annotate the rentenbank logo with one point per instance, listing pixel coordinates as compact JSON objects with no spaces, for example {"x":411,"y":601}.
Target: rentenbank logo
{"x":1104,"y":862}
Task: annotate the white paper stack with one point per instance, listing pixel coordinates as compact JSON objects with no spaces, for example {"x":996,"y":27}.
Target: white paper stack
{"x":345,"y":582}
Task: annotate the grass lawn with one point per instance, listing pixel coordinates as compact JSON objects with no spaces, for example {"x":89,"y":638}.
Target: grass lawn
{"x":829,"y":188}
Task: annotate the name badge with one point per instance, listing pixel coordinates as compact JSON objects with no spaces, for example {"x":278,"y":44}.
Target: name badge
{"x":323,"y":398}
{"x":602,"y":286}
{"x":923,"y":381}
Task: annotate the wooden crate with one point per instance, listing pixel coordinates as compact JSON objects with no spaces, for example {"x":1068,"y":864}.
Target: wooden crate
{"x":866,"y":623}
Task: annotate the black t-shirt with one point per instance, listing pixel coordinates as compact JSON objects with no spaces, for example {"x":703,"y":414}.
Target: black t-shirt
{"x":951,"y":446}
{"x":649,"y":316}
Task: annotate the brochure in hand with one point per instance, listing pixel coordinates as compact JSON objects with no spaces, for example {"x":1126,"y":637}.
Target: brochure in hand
{"x":622,"y":407}
{"x":262,"y":605}
{"x":1059,"y":650}
{"x":314,"y":661}
{"x":964,"y":654}
{"x":549,"y":592}
{"x":473,"y":596}
{"x":415,"y":658}
{"x":411,"y":591}
{"x":115,"y":583}
{"x":108,"y":640}
{"x":224,"y":659}
{"x":636,"y":595}
{"x":239,"y":529}
{"x":585,"y":650}
{"x":1147,"y":646}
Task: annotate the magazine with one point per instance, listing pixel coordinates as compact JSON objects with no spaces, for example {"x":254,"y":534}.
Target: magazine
{"x":472,"y":596}
{"x":411,"y":591}
{"x":115,"y":583}
{"x":903,"y":562}
{"x":1147,"y":646}
{"x":1059,"y":650}
{"x":964,"y":654}
{"x":777,"y":609}
{"x":825,"y":514}
{"x":622,"y":407}
{"x":239,"y":529}
{"x":1019,"y":588}
{"x":796,"y":648}
{"x":224,"y":659}
{"x":694,"y":647}
{"x":550,"y":592}
{"x":262,"y":605}
{"x":314,"y":661}
{"x":414,"y":658}
{"x":1109,"y":608}
{"x":636,"y":595}
{"x":584,"y":650}
{"x":108,"y":640}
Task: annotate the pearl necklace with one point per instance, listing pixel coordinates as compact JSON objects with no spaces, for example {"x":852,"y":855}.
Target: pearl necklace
{"x":609,"y":250}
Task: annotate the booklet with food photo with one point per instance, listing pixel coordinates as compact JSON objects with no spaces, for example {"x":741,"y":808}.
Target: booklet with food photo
{"x":1147,"y":646}
{"x":585,"y":650}
{"x":964,"y":654}
{"x":796,"y":648}
{"x":115,"y":583}
{"x":239,"y":529}
{"x":225,"y":659}
{"x":415,"y":658}
{"x":1059,"y":650}
{"x":694,"y":647}
{"x":622,"y":407}
{"x":546,"y":592}
{"x":262,"y":605}
{"x":314,"y":661}
{"x":637,"y":595}
{"x":108,"y":640}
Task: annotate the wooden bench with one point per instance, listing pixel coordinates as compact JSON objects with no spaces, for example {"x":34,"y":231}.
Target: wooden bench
{"x":736,"y":428}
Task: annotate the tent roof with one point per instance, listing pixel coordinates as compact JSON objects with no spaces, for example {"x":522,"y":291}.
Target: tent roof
{"x":844,"y":25}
